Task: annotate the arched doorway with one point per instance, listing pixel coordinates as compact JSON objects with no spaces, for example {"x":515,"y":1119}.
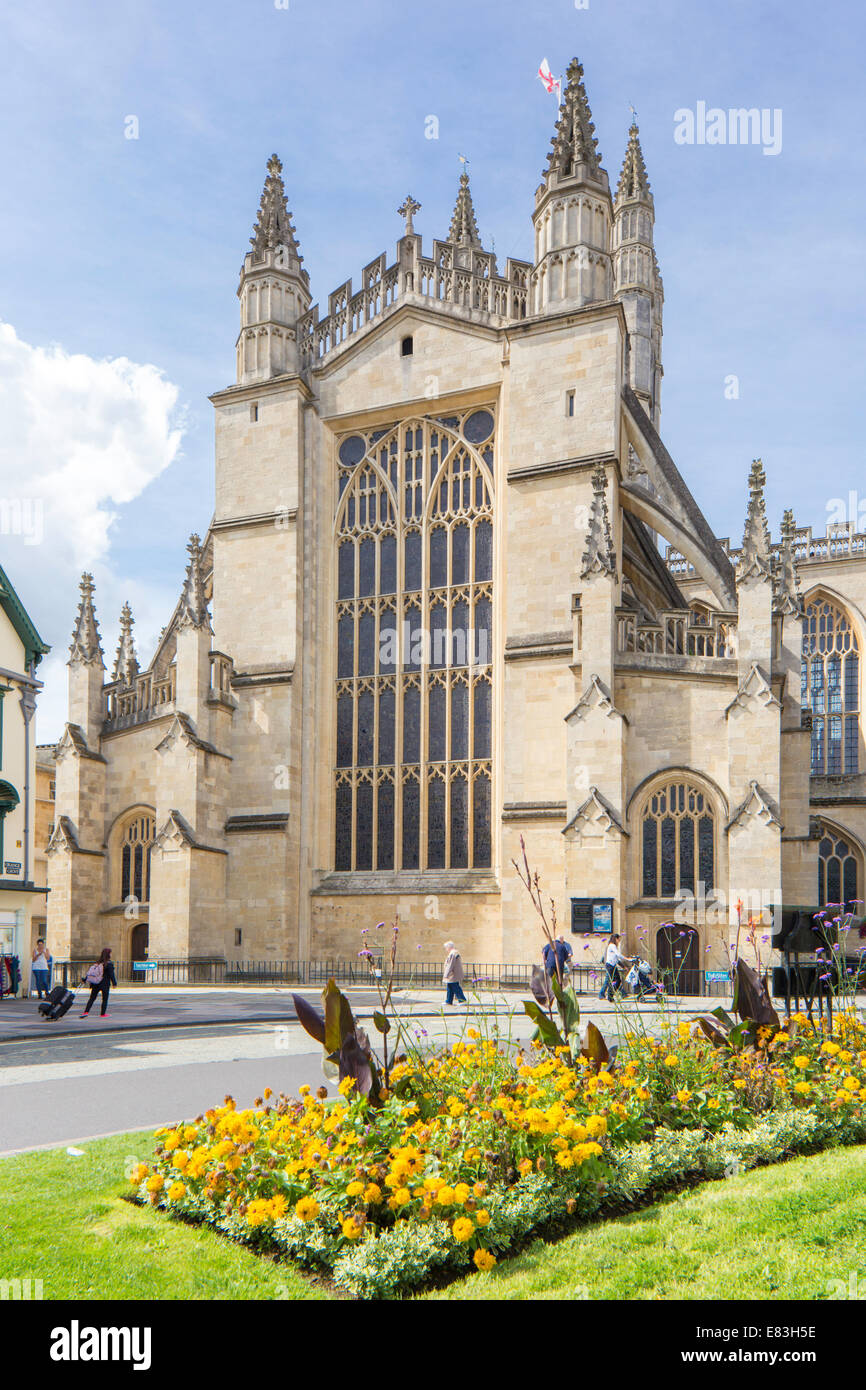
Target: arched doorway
{"x":678,"y":959}
{"x":138,"y":942}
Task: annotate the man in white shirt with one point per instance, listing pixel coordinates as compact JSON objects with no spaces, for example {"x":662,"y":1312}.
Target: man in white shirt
{"x":613,"y":959}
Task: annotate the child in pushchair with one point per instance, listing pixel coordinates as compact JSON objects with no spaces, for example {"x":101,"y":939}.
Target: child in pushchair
{"x":641,"y":983}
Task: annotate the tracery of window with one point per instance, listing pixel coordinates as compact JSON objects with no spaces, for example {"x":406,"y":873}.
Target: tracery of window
{"x":830,"y":673}
{"x":414,"y":535}
{"x":837,"y":869}
{"x":135,"y":848}
{"x":677,"y":841}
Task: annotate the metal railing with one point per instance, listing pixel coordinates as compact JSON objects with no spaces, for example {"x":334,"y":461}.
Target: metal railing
{"x":482,"y":976}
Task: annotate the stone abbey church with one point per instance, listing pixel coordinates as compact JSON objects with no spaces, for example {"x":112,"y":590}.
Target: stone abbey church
{"x":456,"y":591}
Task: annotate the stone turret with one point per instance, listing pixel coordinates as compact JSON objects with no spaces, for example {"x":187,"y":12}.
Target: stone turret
{"x":463,"y":232}
{"x":86,"y":668}
{"x":274,"y":289}
{"x":637,"y":283}
{"x":573,"y":211}
{"x":125,"y":662}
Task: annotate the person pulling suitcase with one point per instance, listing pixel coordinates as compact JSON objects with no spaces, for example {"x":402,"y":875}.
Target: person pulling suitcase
{"x":100,"y":977}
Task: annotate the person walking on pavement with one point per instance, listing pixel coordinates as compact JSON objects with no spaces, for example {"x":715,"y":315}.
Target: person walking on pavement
{"x":613,"y":959}
{"x":100,"y":977}
{"x":452,"y":975}
{"x":40,"y":969}
{"x":557,"y":957}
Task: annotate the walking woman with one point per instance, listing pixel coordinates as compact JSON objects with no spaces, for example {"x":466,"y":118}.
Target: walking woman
{"x":452,"y":975}
{"x":100,"y":977}
{"x":613,"y":959}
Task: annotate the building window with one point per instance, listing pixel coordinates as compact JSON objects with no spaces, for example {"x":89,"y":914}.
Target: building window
{"x":837,"y":870}
{"x":254,"y":412}
{"x":829,"y":687}
{"x":414,"y":645}
{"x":569,"y":404}
{"x":52,"y":791}
{"x":407,"y":347}
{"x":135,"y":850}
{"x":239,"y":936}
{"x":677,"y":842}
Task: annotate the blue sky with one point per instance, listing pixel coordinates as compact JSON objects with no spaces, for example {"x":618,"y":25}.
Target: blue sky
{"x":127,"y":251}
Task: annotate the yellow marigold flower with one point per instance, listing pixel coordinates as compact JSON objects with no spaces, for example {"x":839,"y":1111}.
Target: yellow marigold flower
{"x":739,"y":1084}
{"x":432,"y":1184}
{"x":445,"y":1196}
{"x":307,"y":1209}
{"x":483,"y":1260}
{"x":830,"y":1048}
{"x":782,"y":1036}
{"x":180,"y":1160}
{"x":462,"y":1193}
{"x":279,"y":1205}
{"x":156,"y":1183}
{"x":618,"y":1108}
{"x":351,"y":1229}
{"x":171,"y":1141}
{"x":482,"y":1218}
{"x":596,"y":1125}
{"x":462,"y":1229}
{"x":138,"y":1174}
{"x":479,"y":1190}
{"x":402,"y":1196}
{"x":844,"y":1095}
{"x":564,"y":1159}
{"x":683,"y":1096}
{"x":525,"y":1166}
{"x":642,"y":1093}
{"x":582,"y":1152}
{"x":851,"y":1083}
{"x":801,"y":1062}
{"x":176,"y":1191}
{"x":346,"y":1085}
{"x":189,"y":1133}
{"x":672,"y":1060}
{"x":354,"y":1189}
{"x":714,"y":1103}
{"x":372,"y":1193}
{"x":803,"y":1087}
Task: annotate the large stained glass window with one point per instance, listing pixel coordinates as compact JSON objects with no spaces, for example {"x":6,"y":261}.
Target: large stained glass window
{"x":830,"y":678}
{"x":414,"y":737}
{"x":677,"y":842}
{"x":135,"y":859}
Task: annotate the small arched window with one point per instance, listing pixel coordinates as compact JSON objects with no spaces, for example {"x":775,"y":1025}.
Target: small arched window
{"x":830,"y":680}
{"x":678,"y":838}
{"x":135,"y":850}
{"x":838,"y":877}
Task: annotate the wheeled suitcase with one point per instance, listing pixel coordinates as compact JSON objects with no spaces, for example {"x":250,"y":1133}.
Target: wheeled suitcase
{"x":58,"y":1003}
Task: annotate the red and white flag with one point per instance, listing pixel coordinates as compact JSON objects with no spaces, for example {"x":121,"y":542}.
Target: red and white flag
{"x":551,"y":84}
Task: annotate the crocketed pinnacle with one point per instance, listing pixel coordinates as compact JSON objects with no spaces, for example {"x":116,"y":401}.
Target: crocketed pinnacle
{"x":633,"y":181}
{"x":755,"y":556}
{"x":193,"y":603}
{"x":464,"y":228}
{"x":574,"y":142}
{"x":598,"y":554}
{"x":126,"y":662}
{"x":786,"y":596}
{"x":274,"y":223}
{"x":86,"y":648}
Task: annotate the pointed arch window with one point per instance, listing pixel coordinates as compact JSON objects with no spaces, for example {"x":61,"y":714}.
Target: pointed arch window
{"x":839,"y":874}
{"x":414,"y":635}
{"x":830,"y":687}
{"x":678,"y":841}
{"x":135,"y":852}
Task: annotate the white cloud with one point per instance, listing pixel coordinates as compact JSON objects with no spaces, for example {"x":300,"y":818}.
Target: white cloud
{"x":79,"y":438}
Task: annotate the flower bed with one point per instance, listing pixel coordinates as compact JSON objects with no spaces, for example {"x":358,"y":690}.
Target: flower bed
{"x":471,"y":1150}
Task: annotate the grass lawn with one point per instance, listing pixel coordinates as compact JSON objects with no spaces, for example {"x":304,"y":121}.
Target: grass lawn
{"x":774,"y":1233}
{"x":781,"y":1232}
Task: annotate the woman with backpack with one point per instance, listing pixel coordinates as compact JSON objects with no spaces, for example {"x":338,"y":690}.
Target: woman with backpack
{"x":100,"y":977}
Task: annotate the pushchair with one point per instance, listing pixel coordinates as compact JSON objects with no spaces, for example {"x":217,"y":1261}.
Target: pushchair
{"x":641,"y":983}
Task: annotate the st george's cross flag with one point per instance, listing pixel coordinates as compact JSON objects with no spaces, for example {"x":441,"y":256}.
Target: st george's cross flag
{"x":551,"y":84}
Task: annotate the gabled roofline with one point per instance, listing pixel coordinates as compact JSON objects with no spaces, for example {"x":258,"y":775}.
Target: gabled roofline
{"x":34,"y":647}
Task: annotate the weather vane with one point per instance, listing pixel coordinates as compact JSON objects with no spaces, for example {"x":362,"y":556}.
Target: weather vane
{"x":463,"y":160}
{"x":633,"y":114}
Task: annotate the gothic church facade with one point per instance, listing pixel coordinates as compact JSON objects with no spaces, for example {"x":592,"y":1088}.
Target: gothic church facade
{"x":432,"y":615}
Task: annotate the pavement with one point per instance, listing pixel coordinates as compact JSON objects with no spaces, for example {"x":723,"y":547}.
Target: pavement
{"x":173,"y":1006}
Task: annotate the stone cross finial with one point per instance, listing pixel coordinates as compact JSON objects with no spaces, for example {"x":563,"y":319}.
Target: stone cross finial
{"x":408,"y":210}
